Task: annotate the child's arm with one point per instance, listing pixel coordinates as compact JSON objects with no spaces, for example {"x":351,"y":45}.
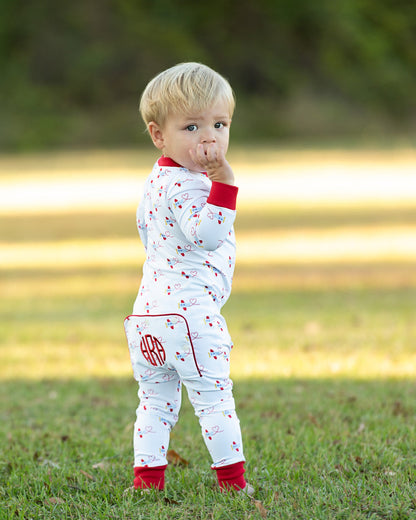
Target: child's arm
{"x":205,"y":216}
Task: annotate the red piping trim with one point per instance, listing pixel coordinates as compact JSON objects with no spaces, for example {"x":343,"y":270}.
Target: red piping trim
{"x":170,"y":314}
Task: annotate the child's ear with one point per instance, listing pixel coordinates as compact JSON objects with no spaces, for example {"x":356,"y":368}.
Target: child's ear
{"x":156,"y":134}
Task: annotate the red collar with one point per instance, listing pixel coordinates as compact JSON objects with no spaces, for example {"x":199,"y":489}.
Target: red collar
{"x":167,"y":161}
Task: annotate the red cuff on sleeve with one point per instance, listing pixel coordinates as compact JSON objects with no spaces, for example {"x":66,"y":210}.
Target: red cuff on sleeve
{"x":223,"y":195}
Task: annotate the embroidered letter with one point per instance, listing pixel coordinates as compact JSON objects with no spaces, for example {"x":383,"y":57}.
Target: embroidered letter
{"x":152,"y":350}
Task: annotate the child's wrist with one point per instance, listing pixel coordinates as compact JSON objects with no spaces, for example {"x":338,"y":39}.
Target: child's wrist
{"x":223,"y":175}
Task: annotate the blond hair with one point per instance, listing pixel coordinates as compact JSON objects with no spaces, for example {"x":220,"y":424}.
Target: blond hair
{"x":185,"y":88}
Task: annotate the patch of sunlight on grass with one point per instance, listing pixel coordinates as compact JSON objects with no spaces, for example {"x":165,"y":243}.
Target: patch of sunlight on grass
{"x":49,"y":284}
{"x":91,"y":181}
{"x":61,"y":254}
{"x":82,"y":360}
{"x":64,"y":360}
{"x":271,"y":363}
{"x":346,"y":244}
{"x":309,"y":276}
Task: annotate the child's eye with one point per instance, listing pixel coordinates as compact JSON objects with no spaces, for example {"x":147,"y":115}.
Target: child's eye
{"x":219,"y":125}
{"x":192,"y":128}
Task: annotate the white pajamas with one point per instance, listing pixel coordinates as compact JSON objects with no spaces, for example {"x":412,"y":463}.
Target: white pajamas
{"x":176,"y":333}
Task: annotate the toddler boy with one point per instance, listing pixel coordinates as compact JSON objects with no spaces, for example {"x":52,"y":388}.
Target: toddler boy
{"x":176,"y":334}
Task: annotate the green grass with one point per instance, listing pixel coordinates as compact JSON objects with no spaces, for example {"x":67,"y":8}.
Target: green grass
{"x":315,"y":449}
{"x":323,"y":366}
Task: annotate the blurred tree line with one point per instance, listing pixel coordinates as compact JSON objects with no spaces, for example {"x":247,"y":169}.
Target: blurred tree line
{"x":71,"y":73}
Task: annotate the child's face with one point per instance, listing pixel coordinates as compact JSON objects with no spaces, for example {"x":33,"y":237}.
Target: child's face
{"x":182,"y":133}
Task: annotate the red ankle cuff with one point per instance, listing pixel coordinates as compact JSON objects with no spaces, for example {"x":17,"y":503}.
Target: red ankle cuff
{"x":145,"y":477}
{"x":232,"y":476}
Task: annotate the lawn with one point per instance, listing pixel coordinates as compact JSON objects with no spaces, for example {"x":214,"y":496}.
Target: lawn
{"x":322,"y":317}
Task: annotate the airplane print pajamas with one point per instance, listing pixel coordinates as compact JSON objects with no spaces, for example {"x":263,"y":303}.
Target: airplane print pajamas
{"x":176,"y":334}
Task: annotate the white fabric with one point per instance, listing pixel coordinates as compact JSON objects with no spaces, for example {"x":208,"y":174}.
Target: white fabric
{"x":177,"y":333}
{"x":190,"y":244}
{"x":205,"y":373}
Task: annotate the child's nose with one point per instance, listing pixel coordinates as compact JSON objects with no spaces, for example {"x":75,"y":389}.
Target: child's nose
{"x":208,"y":137}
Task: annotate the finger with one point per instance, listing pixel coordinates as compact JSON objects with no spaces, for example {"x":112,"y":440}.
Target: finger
{"x":195,"y":155}
{"x":201,"y":153}
{"x":212,"y":152}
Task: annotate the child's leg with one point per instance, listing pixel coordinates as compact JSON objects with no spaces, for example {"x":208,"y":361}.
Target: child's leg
{"x":212,"y":398}
{"x":214,"y":405}
{"x":159,"y":392}
{"x":156,"y":415}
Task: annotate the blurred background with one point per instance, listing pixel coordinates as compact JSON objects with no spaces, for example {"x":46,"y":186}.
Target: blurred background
{"x":323,"y":150}
{"x":339,"y":71}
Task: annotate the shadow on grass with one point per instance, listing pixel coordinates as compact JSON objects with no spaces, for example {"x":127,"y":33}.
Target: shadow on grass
{"x":100,"y":412}
{"x":56,"y":401}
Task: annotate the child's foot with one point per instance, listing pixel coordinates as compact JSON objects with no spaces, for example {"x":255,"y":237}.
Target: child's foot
{"x":130,"y":490}
{"x":247,"y":490}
